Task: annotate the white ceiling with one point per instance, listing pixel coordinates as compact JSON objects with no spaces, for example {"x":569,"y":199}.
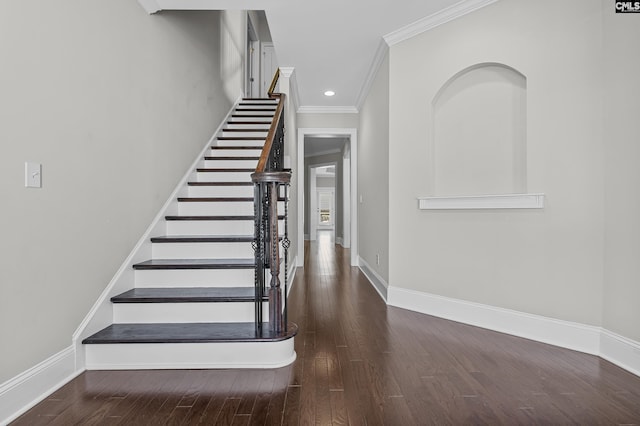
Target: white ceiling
{"x":336,"y":44}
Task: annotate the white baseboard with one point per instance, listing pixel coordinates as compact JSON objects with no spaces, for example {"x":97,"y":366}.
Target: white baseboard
{"x":32,"y":386}
{"x":306,"y":237}
{"x":579,"y":337}
{"x":623,"y":352}
{"x":340,"y":241}
{"x":610,"y":346}
{"x":374,"y":278}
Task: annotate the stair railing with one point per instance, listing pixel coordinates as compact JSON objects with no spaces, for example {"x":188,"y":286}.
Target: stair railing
{"x":271,"y":185}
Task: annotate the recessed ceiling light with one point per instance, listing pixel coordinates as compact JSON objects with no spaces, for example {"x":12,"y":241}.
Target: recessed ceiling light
{"x":329,"y":93}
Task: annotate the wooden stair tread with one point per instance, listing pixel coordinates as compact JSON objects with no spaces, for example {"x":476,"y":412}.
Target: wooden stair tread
{"x":203,"y":239}
{"x":241,"y":138}
{"x":251,"y":115}
{"x":186,"y":295}
{"x":248,"y":122}
{"x":231,"y":158}
{"x":237,"y":147}
{"x":220,"y":183}
{"x":213,"y":199}
{"x":261,"y":129}
{"x":187,"y":333}
{"x":218,"y":199}
{"x":227,"y":217}
{"x":195,"y":264}
{"x":223,"y":170}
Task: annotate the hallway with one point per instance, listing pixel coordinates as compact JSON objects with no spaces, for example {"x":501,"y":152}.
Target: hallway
{"x":361,"y":362}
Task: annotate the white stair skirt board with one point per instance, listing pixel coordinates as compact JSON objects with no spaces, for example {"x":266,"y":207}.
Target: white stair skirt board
{"x":100,"y":315}
{"x":147,"y":313}
{"x":22,"y":392}
{"x":213,"y":227}
{"x":202,"y":250}
{"x":220,"y":191}
{"x":139,"y":356}
{"x":378,"y":283}
{"x":506,"y":201}
{"x":194,"y":278}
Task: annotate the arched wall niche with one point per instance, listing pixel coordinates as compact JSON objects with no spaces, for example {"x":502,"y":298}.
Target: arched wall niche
{"x":478,"y":141}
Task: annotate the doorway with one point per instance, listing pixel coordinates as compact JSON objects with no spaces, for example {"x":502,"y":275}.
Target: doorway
{"x":323,"y":206}
{"x":348,"y":188}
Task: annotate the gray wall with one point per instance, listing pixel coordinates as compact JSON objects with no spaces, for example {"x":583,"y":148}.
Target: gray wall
{"x":547,"y":262}
{"x":115,"y":104}
{"x":622,"y":175}
{"x":373,"y":175}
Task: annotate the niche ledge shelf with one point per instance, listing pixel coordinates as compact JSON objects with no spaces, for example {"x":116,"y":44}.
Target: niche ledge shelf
{"x":467,"y":202}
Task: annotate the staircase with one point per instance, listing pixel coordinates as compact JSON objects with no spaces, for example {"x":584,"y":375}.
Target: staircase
{"x":193,"y":304}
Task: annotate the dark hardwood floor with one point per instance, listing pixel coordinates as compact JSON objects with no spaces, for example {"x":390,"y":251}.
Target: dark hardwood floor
{"x":363,"y":363}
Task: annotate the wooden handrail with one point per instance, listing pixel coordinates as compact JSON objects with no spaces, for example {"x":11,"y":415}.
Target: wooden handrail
{"x":274,"y":82}
{"x":266,"y":150}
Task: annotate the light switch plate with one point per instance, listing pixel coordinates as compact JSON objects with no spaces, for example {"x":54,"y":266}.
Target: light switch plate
{"x":32,"y":175}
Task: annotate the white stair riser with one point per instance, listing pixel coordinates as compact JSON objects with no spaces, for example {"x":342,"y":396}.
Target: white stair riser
{"x":221,"y":153}
{"x":219,"y":208}
{"x":194,"y":278}
{"x":256,"y":106}
{"x":223,"y":177}
{"x":239,"y":119}
{"x":221,"y":191}
{"x":240,"y":142}
{"x":202,"y":250}
{"x":260,"y":126}
{"x":246,"y":133}
{"x":259,"y":101}
{"x":215,"y":208}
{"x":146,"y":313}
{"x":233,"y":164}
{"x":213,"y":227}
{"x":190,"y":355}
{"x":243,"y":113}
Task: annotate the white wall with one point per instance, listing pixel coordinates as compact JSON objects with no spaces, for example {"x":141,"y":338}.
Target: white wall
{"x":547,"y":262}
{"x":332,"y":121}
{"x":622,"y":175}
{"x":115,"y":104}
{"x":373,"y":175}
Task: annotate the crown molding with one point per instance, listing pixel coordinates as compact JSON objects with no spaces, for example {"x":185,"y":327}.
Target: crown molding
{"x":378,"y":59}
{"x":288,"y":72}
{"x":321,"y":109}
{"x":325,"y":152}
{"x":432,"y":21}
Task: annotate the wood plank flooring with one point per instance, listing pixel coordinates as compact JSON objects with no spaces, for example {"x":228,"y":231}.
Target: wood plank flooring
{"x":363,"y":363}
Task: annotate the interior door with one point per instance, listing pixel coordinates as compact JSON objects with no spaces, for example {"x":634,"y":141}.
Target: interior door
{"x":269,"y":65}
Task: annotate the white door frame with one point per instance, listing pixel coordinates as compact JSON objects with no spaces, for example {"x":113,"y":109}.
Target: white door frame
{"x":313,"y":224}
{"x":346,"y":197}
{"x":352,"y":134}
